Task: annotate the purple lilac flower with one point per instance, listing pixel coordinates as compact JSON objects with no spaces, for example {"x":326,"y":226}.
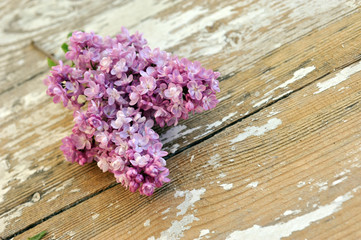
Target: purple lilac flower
{"x":92,"y":91}
{"x":119,"y":68}
{"x":128,"y":87}
{"x":195,"y":90}
{"x":173,"y":92}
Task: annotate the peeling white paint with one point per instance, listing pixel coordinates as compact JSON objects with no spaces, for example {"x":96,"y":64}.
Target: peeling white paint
{"x":19,"y":172}
{"x":203,"y":134}
{"x":16,"y":212}
{"x":172,"y":134}
{"x":221,"y":175}
{"x":283,"y":94}
{"x":224,"y":97}
{"x":240,"y":103}
{"x":263,"y":101}
{"x":166,"y":211}
{"x":202,"y":234}
{"x":71,"y":233}
{"x":53,"y":198}
{"x":95,"y":216}
{"x":214,"y":161}
{"x":176,"y":230}
{"x":219,"y":122}
{"x":297,"y":75}
{"x":301,"y":184}
{"x":75,"y":190}
{"x":174,"y":148}
{"x":272,"y":113}
{"x":147,"y":223}
{"x":190,"y":198}
{"x":291,"y":212}
{"x":343,"y":75}
{"x":176,"y":132}
{"x":342,"y":173}
{"x":322,"y":186}
{"x":285,"y":229}
{"x":227,"y":186}
{"x":272,"y":124}
{"x":64,"y":185}
{"x":252,"y":184}
{"x":339,"y":181}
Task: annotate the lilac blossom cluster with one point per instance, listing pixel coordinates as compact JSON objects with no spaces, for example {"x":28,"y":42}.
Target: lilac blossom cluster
{"x":118,"y":88}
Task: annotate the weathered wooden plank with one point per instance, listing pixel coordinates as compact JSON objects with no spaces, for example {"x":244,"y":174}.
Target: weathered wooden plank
{"x":290,"y":169}
{"x":18,"y":66}
{"x":234,"y":33}
{"x":50,"y":120}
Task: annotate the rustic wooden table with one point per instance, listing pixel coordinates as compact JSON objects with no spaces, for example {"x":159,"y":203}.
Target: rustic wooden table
{"x":280,"y":156}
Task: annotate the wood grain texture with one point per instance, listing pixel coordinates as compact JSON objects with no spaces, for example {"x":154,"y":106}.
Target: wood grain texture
{"x":268,"y":49}
{"x":234,"y":33}
{"x":297,"y":174}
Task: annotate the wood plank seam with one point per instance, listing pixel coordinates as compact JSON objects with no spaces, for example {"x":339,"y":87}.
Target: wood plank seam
{"x":183,"y":149}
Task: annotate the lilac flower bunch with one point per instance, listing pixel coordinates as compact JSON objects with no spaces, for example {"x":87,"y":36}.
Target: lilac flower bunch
{"x":118,"y":88}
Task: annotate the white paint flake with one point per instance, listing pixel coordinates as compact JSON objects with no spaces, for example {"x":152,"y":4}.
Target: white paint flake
{"x":71,"y":233}
{"x":301,"y":184}
{"x":95,"y":216}
{"x":343,"y":75}
{"x":221,"y":175}
{"x":297,"y":75}
{"x":291,"y":212}
{"x":16,"y":212}
{"x":166,"y":211}
{"x":322,"y":186}
{"x":214,"y":161}
{"x":202,"y":234}
{"x":339,"y":181}
{"x":224,"y":97}
{"x":53,"y":198}
{"x":272,"y":124}
{"x":285,"y":229}
{"x":75,"y":190}
{"x":192,"y":158}
{"x":252,"y":184}
{"x":240,"y":103}
{"x":219,"y":122}
{"x":174,"y":148}
{"x":263,"y":101}
{"x":172,"y":134}
{"x":342,"y":173}
{"x":272,"y":113}
{"x":227,"y":186}
{"x":176,"y":230}
{"x":147,"y":223}
{"x":65,"y":184}
{"x":190,"y":198}
{"x":20,"y":172}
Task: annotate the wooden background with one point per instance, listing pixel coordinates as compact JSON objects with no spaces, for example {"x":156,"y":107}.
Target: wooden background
{"x":280,"y":156}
